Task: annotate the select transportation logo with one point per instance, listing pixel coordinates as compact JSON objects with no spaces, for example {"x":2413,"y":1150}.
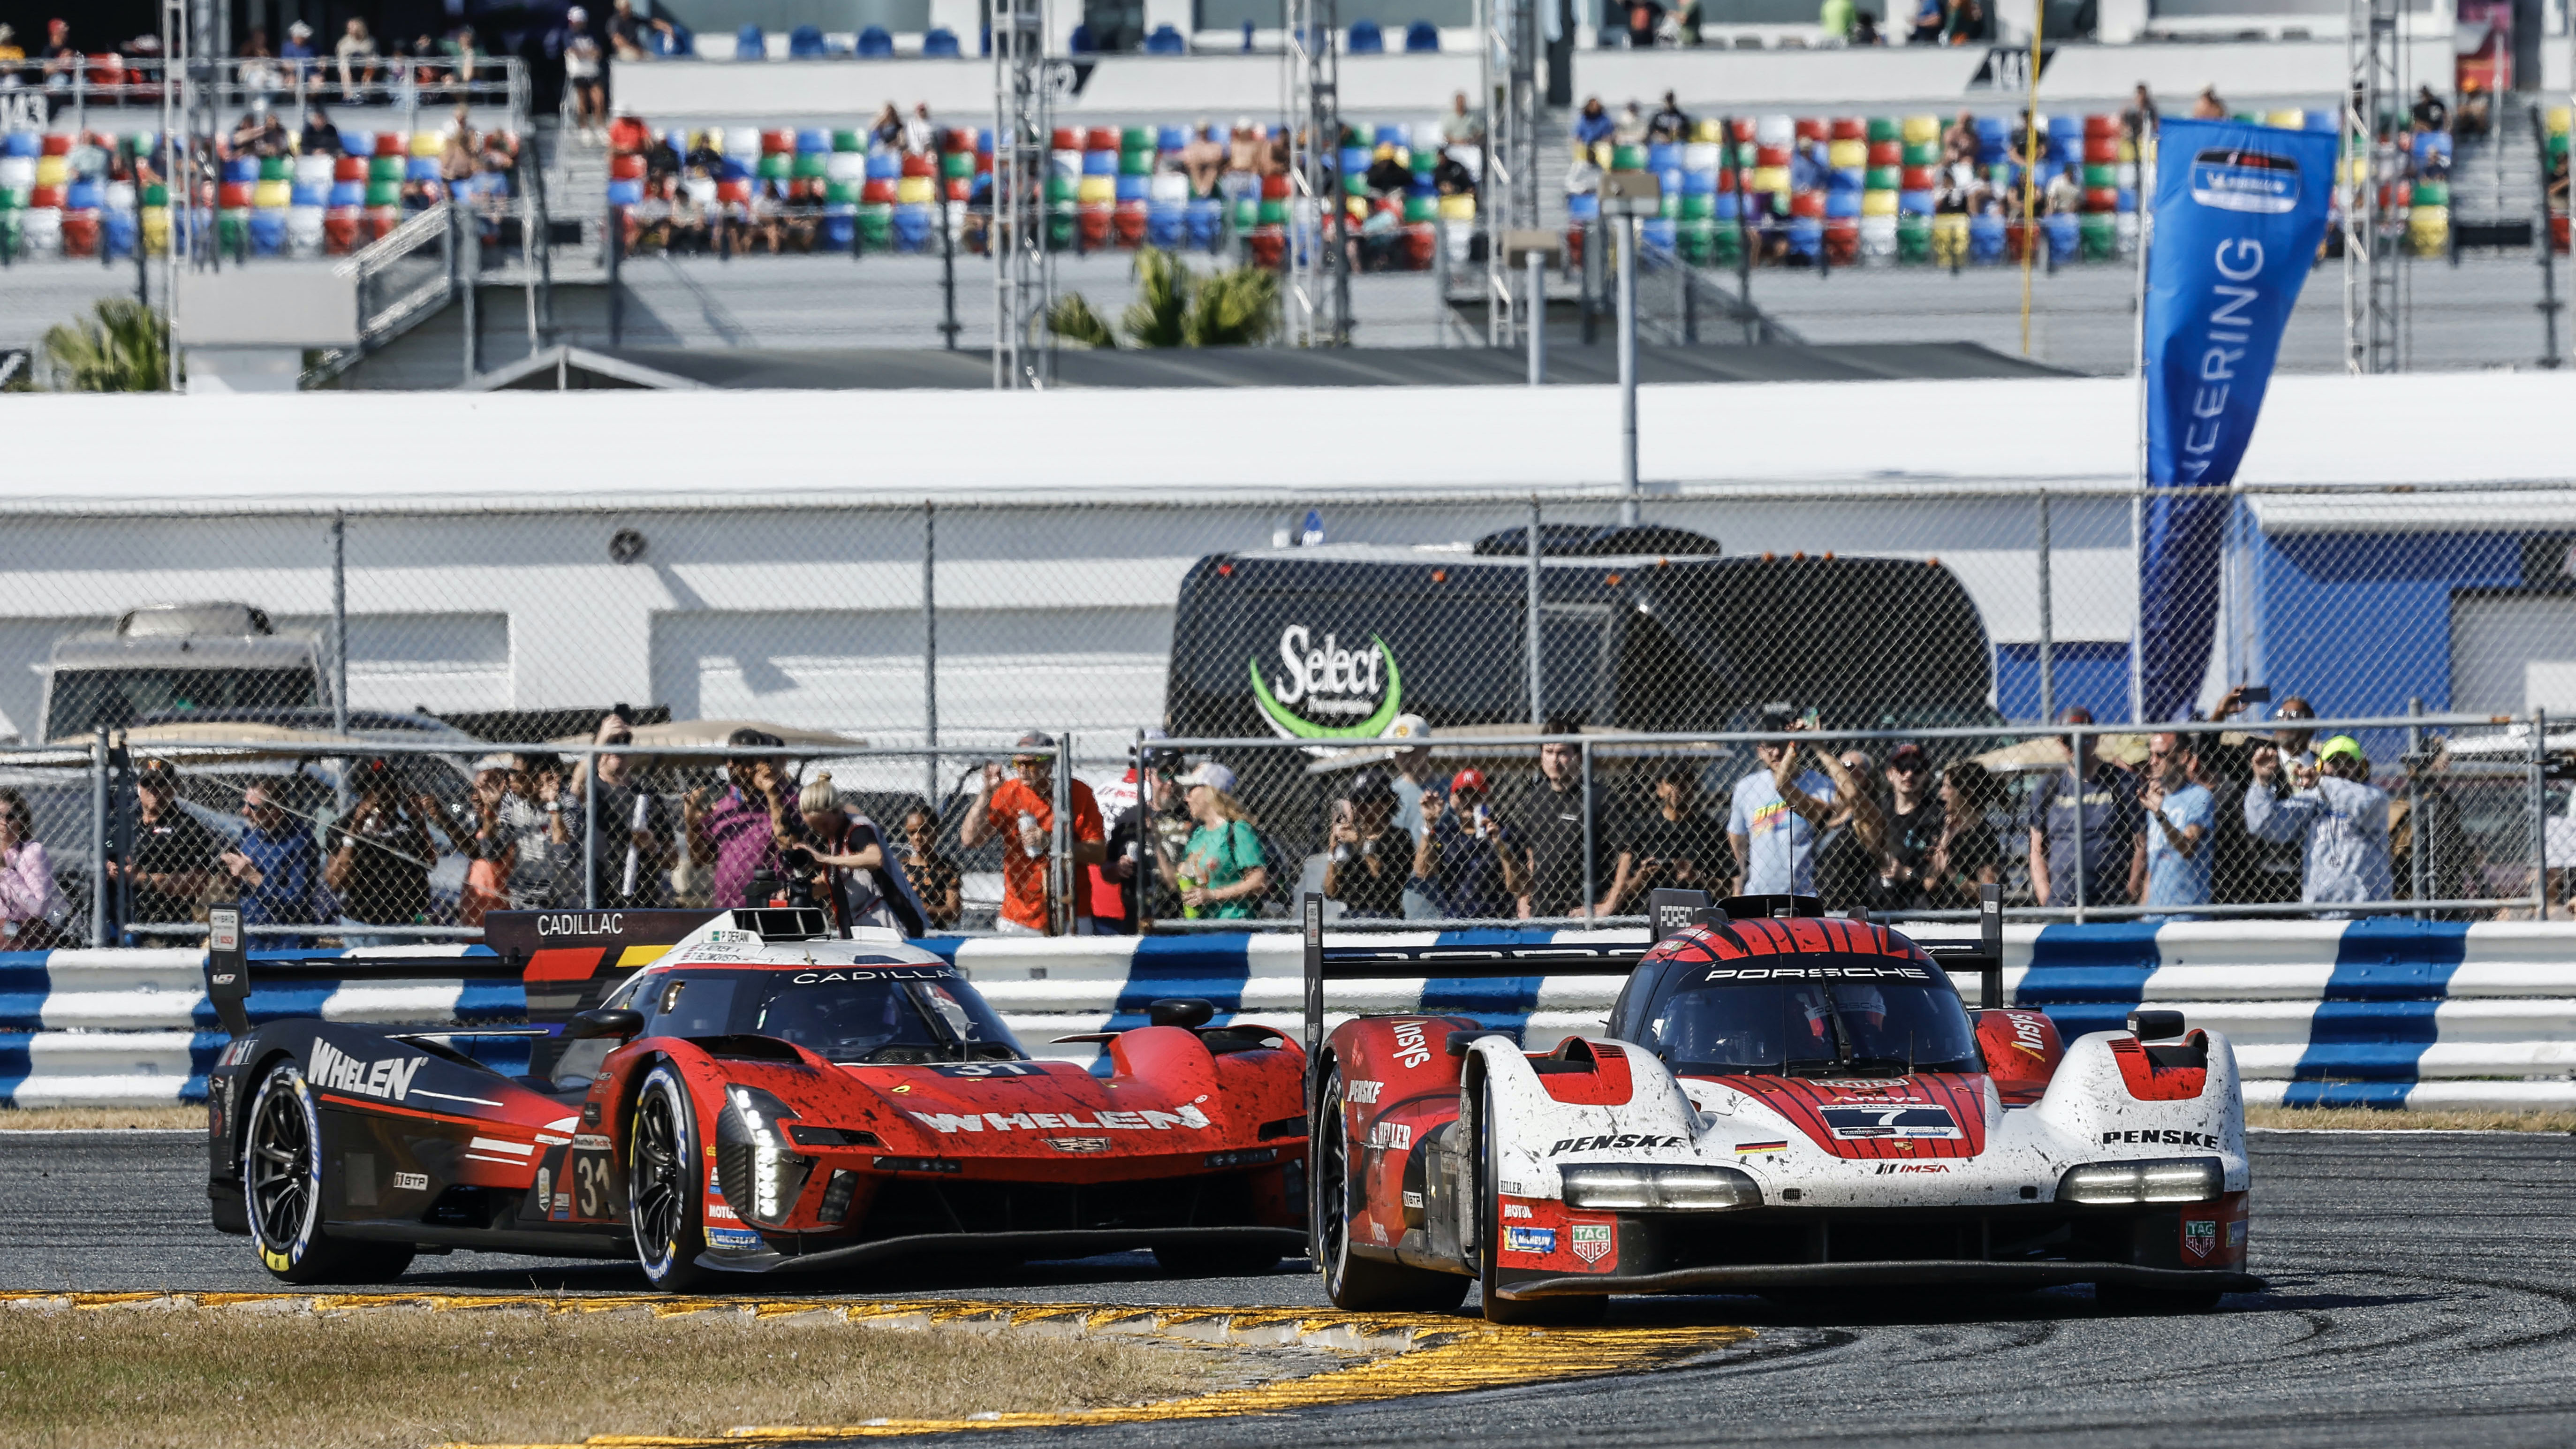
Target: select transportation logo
{"x":1322,"y":683}
{"x":2232,"y":178}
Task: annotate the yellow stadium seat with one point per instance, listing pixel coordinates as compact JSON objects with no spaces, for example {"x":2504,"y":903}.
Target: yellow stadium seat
{"x":1770,"y":178}
{"x":1922,"y":128}
{"x":2558,"y":120}
{"x":427,"y":143}
{"x":1878,"y":203}
{"x":1841,"y":154}
{"x":2287,"y":120}
{"x":920,"y":190}
{"x":1950,"y":238}
{"x":1711,"y":130}
{"x":1461,"y":207}
{"x":53,"y":171}
{"x":272,"y":193}
{"x":2428,"y":230}
{"x":156,"y":230}
{"x":1093,"y":189}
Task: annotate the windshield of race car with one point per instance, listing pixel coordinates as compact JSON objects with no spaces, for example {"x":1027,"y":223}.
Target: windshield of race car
{"x":888,"y":1016}
{"x":1827,"y":1015}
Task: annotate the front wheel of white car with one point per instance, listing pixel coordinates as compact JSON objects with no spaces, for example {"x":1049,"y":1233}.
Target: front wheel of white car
{"x":1572,"y":1310}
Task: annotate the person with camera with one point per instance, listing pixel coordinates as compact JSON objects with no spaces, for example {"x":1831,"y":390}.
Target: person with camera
{"x":1470,"y":862}
{"x":842,"y":859}
{"x":377,"y":858}
{"x":631,"y":860}
{"x":738,"y":833}
{"x":1149,"y":826}
{"x":937,"y":880}
{"x":1678,"y":846}
{"x":276,"y":868}
{"x":2334,"y":814}
{"x":1366,"y":862}
{"x":1020,"y":811}
{"x":1779,"y":810}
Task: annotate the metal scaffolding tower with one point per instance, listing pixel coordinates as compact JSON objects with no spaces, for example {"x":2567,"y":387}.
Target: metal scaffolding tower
{"x":1318,"y":295}
{"x":1023,"y":139}
{"x":2375,"y":281}
{"x":1508,"y":200}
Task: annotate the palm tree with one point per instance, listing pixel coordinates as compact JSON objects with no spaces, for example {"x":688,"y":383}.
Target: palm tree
{"x":123,"y":346}
{"x":1178,"y":307}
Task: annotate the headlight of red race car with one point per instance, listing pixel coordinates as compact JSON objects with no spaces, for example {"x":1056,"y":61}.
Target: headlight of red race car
{"x":1636,"y":1185}
{"x":2162,"y":1179}
{"x":760,"y":1173}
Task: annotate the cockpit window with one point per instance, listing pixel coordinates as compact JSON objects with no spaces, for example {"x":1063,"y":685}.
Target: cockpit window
{"x":890,"y":1017}
{"x":1828,"y":1015}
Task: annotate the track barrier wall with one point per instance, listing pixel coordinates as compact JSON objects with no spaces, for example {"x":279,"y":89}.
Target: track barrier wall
{"x":2377,"y":1013}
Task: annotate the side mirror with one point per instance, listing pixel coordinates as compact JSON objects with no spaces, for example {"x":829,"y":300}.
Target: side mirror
{"x":619,"y":1023}
{"x":1180,"y":1011}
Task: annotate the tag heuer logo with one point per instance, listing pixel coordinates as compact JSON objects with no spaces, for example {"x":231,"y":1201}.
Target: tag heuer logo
{"x":2199,"y":1237}
{"x":1077,"y":1144}
{"x":1591,"y":1241}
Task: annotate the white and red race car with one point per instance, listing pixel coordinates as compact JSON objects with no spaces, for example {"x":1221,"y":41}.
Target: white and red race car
{"x":1783,"y":1101}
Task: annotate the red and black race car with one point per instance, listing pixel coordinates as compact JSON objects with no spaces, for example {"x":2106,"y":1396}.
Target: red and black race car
{"x":760,"y":1097}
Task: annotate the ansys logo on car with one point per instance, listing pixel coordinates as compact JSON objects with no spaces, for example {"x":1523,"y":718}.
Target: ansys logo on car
{"x":1327,"y":692}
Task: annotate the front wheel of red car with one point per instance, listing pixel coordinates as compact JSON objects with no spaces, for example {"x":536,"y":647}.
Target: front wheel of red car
{"x":666,"y":1185}
{"x":1349,"y":1280}
{"x":282,"y":1191}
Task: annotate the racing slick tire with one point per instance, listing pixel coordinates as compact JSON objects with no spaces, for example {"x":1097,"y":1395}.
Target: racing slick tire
{"x":666,"y":1185}
{"x":282,"y":1192}
{"x":1572,"y":1311}
{"x":1351,"y":1281}
{"x":2128,"y":1299}
{"x":1186,"y":1261}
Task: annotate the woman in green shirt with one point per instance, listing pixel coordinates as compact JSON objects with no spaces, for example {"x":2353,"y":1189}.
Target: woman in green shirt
{"x":1221,"y":862}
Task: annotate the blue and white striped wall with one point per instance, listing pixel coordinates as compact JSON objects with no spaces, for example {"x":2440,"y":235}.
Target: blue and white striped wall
{"x":2375,"y":1013}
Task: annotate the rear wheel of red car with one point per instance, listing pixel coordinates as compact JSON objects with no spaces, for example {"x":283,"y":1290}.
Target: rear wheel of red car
{"x":282,"y":1192}
{"x":666,"y":1185}
{"x":1349,"y":1280}
{"x":1572,"y":1309}
{"x":2127,"y":1299}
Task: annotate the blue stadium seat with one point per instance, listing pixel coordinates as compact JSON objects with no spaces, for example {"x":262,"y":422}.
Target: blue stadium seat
{"x":27,"y":145}
{"x":748,"y":45}
{"x":840,"y":230}
{"x":1806,"y":236}
{"x":1207,"y":223}
{"x":421,"y":168}
{"x":912,"y":223}
{"x":940,"y":43}
{"x":1081,"y":42}
{"x":1366,"y":38}
{"x":1726,"y":209}
{"x":117,"y":231}
{"x":812,"y":142}
{"x":678,"y":41}
{"x":1166,"y":40}
{"x":1657,"y":232}
{"x":267,"y":232}
{"x":1135,"y":188}
{"x":347,"y":193}
{"x":805,"y":42}
{"x":1914,"y":203}
{"x":1166,"y":226}
{"x":1099,"y":163}
{"x":1699,"y":183}
{"x":1842,"y":203}
{"x":1421,"y":38}
{"x":242,"y":170}
{"x":875,"y":43}
{"x":884,"y":166}
{"x":306,"y":193}
{"x":1663,"y":156}
{"x":1985,"y":239}
{"x":625,"y":193}
{"x":1583,"y":207}
{"x":1171,"y":138}
{"x":2065,"y":235}
{"x":1993,"y":144}
{"x":357,"y":143}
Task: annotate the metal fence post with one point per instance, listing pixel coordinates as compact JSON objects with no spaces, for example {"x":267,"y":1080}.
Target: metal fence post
{"x":1591,"y":882}
{"x":1060,"y":859}
{"x":2047,"y":620}
{"x":2075,"y":743}
{"x":2539,"y":815}
{"x":98,"y":839}
{"x":1537,"y":699}
{"x":340,"y":623}
{"x":590,"y":825}
{"x":2416,"y":832}
{"x":930,"y":654}
{"x":1142,"y":887}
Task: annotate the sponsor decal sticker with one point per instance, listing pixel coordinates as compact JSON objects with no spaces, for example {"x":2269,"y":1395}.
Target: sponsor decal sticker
{"x":946,"y":1123}
{"x":740,"y":1240}
{"x":388,"y":1080}
{"x":1817,"y":973}
{"x":1393,"y":1135}
{"x":2199,"y":1236}
{"x":1322,"y":678}
{"x":2234,"y":179}
{"x":1891,"y":1120}
{"x":2026,"y":1033}
{"x":1077,"y":1145}
{"x":1614,"y":1142}
{"x":2236,"y":1235}
{"x":1362,"y":1093}
{"x":1515,"y":1210}
{"x":1747,"y":1149}
{"x":1539,"y":1241}
{"x":1409,"y":1046}
{"x":1886,"y":1168}
{"x":875,"y":973}
{"x":411,"y":1182}
{"x":1414,"y":1200}
{"x":976,"y":1071}
{"x":2167,"y":1137}
{"x":1591,"y":1241}
{"x":595,"y":923}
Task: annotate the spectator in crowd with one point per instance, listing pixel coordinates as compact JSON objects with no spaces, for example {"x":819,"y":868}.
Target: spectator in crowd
{"x":1926,"y":27}
{"x":1464,"y":125}
{"x":356,"y":55}
{"x":459,"y":147}
{"x":1222,"y":872}
{"x":1864,"y":30}
{"x":1450,"y":176}
{"x":2063,"y":197}
{"x":1959,"y":140}
{"x":631,"y":861}
{"x":1021,"y":812}
{"x":2247,"y":870}
{"x":887,"y":133}
{"x":2090,"y":809}
{"x":2426,"y":818}
{"x":1631,"y":130}
{"x":1642,"y":17}
{"x":1556,"y":828}
{"x":2557,"y":193}
{"x":1677,"y":846}
{"x":521,"y":808}
{"x":1966,"y":23}
{"x":626,"y":32}
{"x":1916,"y":821}
{"x":2470,"y":119}
{"x":1366,"y":859}
{"x":1848,"y":867}
{"x":1670,"y":122}
{"x":1778,"y":810}
{"x":259,"y":69}
{"x":936,"y":879}
{"x":1387,"y":173}
{"x":2334,"y":814}
{"x":62,"y":59}
{"x":1593,"y":128}
{"x":1834,"y":21}
{"x":377,"y":858}
{"x":2207,"y":106}
{"x":2429,"y":111}
{"x":1969,"y":853}
{"x":32,"y":908}
{"x":173,"y":861}
{"x":276,"y":869}
{"x":1411,"y":736}
{"x":11,"y":51}
{"x":1810,"y":167}
{"x":1469,"y":863}
{"x":737,"y":834}
{"x":2138,"y":121}
{"x":853,"y":876}
{"x":2176,"y":868}
{"x":1203,"y":160}
{"x":586,"y":72}
{"x":320,"y":136}
{"x":920,"y":137}
{"x":461,"y":52}
{"x":1144,"y":803}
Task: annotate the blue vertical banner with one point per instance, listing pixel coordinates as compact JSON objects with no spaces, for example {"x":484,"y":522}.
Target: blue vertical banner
{"x":2239,"y":212}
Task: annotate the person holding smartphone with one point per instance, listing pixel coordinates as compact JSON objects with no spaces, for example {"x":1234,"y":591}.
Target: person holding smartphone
{"x":1469,"y":862}
{"x":1678,"y":845}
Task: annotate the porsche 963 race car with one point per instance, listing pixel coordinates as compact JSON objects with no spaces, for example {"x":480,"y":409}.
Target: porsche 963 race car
{"x":761,"y":1097}
{"x":1783,"y":1101}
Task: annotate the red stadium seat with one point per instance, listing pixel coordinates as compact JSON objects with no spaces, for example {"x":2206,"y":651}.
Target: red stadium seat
{"x":1101,"y":138}
{"x":960,"y":189}
{"x":879,"y":192}
{"x":1811,"y":128}
{"x":1067,"y":139}
{"x":920,"y":166}
{"x":2097,"y":126}
{"x":1274,"y":188}
{"x":56,"y":143}
{"x":1771,"y":156}
{"x":340,"y":233}
{"x":1807,"y":203}
{"x":625,"y":166}
{"x":80,"y":233}
{"x":1886,"y":153}
{"x":1091,"y":223}
{"x":778,"y":143}
{"x":1269,"y":245}
{"x":1129,"y":223}
{"x":1842,"y":241}
{"x":349,"y":168}
{"x":1421,"y":243}
{"x":1916,"y":178}
{"x":2101,"y":150}
{"x":1850,"y":128}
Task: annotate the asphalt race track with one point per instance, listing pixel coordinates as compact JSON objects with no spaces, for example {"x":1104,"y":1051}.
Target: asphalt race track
{"x":2423,"y":1292}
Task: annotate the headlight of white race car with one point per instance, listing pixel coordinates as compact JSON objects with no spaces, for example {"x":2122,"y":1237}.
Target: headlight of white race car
{"x":1636,"y":1185}
{"x":2162,"y":1179}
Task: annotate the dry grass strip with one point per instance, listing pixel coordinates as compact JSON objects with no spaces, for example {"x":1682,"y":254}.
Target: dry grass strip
{"x":148,"y":1117}
{"x":2371,"y":1119}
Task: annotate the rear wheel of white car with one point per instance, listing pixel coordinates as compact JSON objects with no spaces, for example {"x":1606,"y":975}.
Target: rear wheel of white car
{"x":666,"y":1185}
{"x":1349,"y":1280}
{"x":1573,"y":1309}
{"x":282,"y":1192}
{"x":2128,"y":1299}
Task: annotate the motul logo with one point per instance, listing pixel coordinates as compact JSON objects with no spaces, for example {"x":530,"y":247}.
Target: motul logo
{"x":946,"y":1122}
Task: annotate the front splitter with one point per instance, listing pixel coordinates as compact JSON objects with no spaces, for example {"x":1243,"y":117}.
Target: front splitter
{"x":1924,"y":1273}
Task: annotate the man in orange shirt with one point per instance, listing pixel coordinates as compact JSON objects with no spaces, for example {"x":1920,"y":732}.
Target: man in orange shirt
{"x":1021,"y":810}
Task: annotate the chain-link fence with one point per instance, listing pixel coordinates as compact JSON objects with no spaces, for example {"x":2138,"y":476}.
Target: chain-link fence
{"x":409,"y":692}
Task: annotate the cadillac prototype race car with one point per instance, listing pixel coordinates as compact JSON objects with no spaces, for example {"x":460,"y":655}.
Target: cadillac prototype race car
{"x":760,"y":1097}
{"x":1784,"y":1101}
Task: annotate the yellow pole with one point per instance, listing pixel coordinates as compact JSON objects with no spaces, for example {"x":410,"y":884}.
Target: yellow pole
{"x":2030,"y":168}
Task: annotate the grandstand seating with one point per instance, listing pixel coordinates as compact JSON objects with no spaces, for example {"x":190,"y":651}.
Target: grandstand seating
{"x":69,"y":196}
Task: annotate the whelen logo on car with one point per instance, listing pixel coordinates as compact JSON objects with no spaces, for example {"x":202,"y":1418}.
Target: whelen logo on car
{"x":2232,"y":178}
{"x":1147,"y":1121}
{"x":1329,"y":680}
{"x":337,"y":1071}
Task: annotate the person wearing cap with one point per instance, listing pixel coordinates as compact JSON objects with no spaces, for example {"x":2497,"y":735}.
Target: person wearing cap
{"x":630,"y":862}
{"x":2179,"y":816}
{"x":1367,"y":862}
{"x":1915,"y":820}
{"x":1411,"y":735}
{"x":1020,"y":812}
{"x":1149,"y":820}
{"x":2245,"y":870}
{"x":586,"y":71}
{"x":1678,"y":845}
{"x":298,"y":51}
{"x":2337,"y":818}
{"x":1222,"y":872}
{"x":173,"y":861}
{"x":737,"y":835}
{"x":2098,"y":799}
{"x":1470,"y":863}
